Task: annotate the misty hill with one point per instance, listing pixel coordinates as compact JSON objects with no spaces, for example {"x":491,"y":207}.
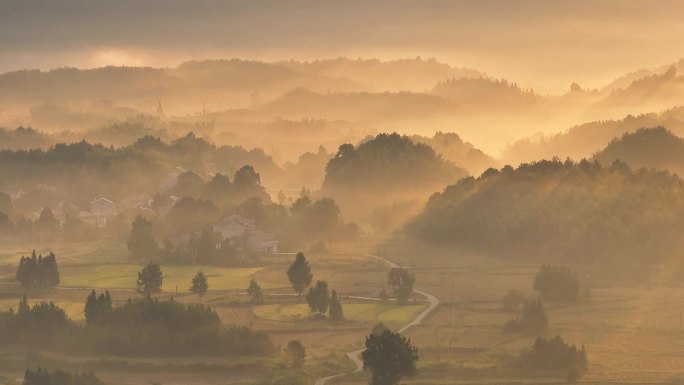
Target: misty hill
{"x":582,"y":141}
{"x":71,"y":84}
{"x":560,"y":210}
{"x":388,"y":161}
{"x":646,"y":147}
{"x":479,"y":92}
{"x":78,"y":171}
{"x":394,"y":75}
{"x":363,"y":106}
{"x":647,"y":94}
{"x":452,"y":148}
{"x":369,"y":179}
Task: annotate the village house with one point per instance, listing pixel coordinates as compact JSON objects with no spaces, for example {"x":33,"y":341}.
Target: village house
{"x":101,"y":210}
{"x":240,"y":230}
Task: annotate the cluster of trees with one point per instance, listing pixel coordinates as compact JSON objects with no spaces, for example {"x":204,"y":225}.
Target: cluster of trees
{"x":97,"y":307}
{"x":204,"y":247}
{"x":190,"y":223}
{"x":646,"y":147}
{"x":38,"y":271}
{"x":555,"y":354}
{"x":387,"y":161}
{"x":41,"y":324}
{"x":81,"y":170}
{"x":151,"y":326}
{"x":138,"y":327}
{"x":402,"y":283}
{"x":532,"y":321}
{"x":556,"y":283}
{"x":58,"y":377}
{"x":320,"y":300}
{"x":552,"y":208}
{"x":46,"y":227}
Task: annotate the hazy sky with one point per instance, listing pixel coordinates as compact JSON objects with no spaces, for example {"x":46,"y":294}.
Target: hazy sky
{"x":545,"y":44}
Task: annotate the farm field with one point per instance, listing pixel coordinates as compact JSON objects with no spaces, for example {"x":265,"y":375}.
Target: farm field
{"x":633,"y":332}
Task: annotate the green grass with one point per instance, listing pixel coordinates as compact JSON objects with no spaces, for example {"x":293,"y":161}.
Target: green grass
{"x":124,"y":277}
{"x":363,"y":312}
{"x":104,"y":251}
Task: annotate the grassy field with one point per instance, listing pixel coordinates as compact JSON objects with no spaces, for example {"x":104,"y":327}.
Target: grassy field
{"x":362,"y":312}
{"x":633,"y":333}
{"x":176,"y":278}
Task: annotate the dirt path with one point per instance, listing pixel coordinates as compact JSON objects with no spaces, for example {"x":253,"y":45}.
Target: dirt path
{"x":355,"y":356}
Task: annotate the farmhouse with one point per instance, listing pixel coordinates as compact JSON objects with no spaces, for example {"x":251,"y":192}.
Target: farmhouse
{"x":240,"y":230}
{"x":101,"y":210}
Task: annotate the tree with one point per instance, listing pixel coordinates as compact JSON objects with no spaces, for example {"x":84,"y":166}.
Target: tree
{"x":556,"y":283}
{"x":141,"y":242}
{"x":318,"y":297}
{"x":299,"y":274}
{"x":402,"y":282}
{"x":47,"y":224}
{"x":199,"y":284}
{"x":97,"y":307}
{"x":555,"y":354}
{"x":532,"y":322}
{"x":335,"y":311}
{"x":295,"y":354}
{"x":512,"y":300}
{"x":389,"y":357}
{"x":43,"y":377}
{"x":246,"y":179}
{"x":150,"y":279}
{"x":255,"y":292}
{"x":37,"y":271}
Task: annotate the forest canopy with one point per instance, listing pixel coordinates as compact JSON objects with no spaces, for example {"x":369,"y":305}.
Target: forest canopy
{"x":578,"y":211}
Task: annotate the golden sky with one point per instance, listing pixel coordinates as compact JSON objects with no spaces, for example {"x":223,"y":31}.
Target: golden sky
{"x":541,"y":44}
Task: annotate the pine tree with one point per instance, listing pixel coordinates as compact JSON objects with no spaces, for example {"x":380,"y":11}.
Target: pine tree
{"x":335,"y":312}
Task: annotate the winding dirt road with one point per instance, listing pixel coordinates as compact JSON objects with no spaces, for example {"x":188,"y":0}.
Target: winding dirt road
{"x":355,"y":356}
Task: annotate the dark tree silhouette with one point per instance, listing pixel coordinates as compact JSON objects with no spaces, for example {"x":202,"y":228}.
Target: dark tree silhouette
{"x":141,"y":242}
{"x":318,"y":297}
{"x":38,"y":271}
{"x":43,"y":377}
{"x":335,"y":312}
{"x":295,"y":354}
{"x":200,"y":285}
{"x":299,"y":274}
{"x":402,"y":282}
{"x":97,"y":307}
{"x":255,"y":292}
{"x":389,"y":357}
{"x":150,"y":279}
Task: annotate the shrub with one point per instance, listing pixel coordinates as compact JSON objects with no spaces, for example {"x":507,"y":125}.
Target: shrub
{"x":555,"y":354}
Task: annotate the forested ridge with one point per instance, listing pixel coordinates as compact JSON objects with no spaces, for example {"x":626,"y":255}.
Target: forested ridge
{"x":560,"y":209}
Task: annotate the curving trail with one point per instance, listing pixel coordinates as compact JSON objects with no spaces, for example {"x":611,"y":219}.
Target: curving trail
{"x":355,"y":356}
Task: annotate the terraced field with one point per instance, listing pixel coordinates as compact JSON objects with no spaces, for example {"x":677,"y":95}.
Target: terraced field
{"x":362,"y":312}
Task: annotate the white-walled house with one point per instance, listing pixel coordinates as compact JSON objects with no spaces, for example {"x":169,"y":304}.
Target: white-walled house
{"x":237,"y":228}
{"x":103,"y":207}
{"x":101,"y":210}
